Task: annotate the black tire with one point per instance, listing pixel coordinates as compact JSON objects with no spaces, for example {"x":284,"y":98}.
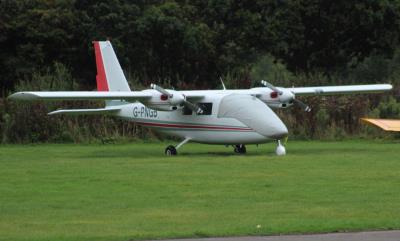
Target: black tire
{"x":241,"y":149}
{"x":170,"y":151}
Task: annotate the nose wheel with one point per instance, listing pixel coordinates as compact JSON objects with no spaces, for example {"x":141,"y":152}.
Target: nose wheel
{"x":241,"y":149}
{"x":280,"y":149}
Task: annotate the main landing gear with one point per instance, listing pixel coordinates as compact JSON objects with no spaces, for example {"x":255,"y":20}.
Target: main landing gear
{"x":172,"y":150}
{"x":241,"y":149}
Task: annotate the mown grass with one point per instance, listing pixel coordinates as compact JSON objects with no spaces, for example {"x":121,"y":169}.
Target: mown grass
{"x":132,"y":191}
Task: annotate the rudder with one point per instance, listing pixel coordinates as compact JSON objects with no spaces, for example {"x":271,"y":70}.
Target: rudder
{"x":110,"y":76}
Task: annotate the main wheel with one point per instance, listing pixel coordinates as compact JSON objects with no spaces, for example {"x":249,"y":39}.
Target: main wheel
{"x":241,"y":149}
{"x":170,"y":151}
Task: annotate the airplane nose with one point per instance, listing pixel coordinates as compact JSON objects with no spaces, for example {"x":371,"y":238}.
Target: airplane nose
{"x":275,"y":128}
{"x":255,"y":114}
{"x":279,"y":132}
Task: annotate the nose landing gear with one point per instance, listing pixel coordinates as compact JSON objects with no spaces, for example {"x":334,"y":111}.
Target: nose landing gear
{"x":280,"y":149}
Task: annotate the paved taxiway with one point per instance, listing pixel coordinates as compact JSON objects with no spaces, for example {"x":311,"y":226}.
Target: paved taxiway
{"x":359,"y":236}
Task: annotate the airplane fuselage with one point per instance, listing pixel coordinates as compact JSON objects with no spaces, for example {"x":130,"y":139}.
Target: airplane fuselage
{"x":201,"y":128}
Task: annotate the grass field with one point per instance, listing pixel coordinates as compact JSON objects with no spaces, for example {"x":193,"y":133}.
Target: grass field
{"x":132,"y":191}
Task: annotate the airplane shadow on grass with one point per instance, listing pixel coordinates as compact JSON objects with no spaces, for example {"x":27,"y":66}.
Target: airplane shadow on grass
{"x":214,"y":153}
{"x":328,"y":151}
{"x":152,"y":155}
{"x":228,"y":152}
{"x":160,"y":154}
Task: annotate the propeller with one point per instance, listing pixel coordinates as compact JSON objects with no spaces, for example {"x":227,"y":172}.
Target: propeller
{"x":303,"y":105}
{"x":179,"y":99}
{"x":272,"y":87}
{"x":161,"y":90}
{"x":193,"y":107}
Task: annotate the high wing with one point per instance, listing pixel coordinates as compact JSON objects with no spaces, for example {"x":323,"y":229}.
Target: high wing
{"x":342,"y":89}
{"x":130,"y":96}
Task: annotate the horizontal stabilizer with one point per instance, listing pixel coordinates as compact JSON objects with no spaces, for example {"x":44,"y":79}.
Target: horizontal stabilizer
{"x":100,"y":111}
{"x":344,"y":89}
{"x":130,"y":96}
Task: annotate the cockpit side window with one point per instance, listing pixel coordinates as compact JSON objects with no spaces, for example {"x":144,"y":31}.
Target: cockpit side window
{"x":206,"y":107}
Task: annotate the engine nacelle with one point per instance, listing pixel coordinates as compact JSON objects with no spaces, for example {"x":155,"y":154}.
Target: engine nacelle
{"x":274,"y":99}
{"x":279,"y":105}
{"x":163,"y":102}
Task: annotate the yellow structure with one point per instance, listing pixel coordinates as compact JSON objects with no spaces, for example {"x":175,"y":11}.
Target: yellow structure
{"x":387,"y":125}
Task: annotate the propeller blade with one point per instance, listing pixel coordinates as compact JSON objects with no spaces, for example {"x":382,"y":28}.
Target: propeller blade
{"x":272,"y":87}
{"x":193,"y":107}
{"x":161,"y":90}
{"x":303,"y":105}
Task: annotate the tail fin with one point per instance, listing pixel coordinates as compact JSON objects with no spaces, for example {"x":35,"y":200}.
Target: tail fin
{"x":110,"y":76}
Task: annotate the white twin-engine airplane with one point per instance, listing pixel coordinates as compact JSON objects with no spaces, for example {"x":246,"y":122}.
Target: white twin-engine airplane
{"x":228,"y":117}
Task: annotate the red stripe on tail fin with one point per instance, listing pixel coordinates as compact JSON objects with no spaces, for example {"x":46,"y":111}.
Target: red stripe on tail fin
{"x":101,"y":77}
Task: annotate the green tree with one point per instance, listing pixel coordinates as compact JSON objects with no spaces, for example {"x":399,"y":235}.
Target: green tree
{"x":326,"y":35}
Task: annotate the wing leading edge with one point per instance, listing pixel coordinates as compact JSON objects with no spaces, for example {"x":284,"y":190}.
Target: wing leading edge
{"x":343,"y":89}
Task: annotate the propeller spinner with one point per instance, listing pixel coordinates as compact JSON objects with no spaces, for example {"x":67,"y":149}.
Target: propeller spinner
{"x":285,"y":96}
{"x":175,"y":98}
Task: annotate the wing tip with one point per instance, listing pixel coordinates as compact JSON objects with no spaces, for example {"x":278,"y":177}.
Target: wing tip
{"x":23,"y":96}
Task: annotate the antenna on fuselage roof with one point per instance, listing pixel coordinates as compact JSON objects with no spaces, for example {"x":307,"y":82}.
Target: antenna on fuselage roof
{"x":222,"y":82}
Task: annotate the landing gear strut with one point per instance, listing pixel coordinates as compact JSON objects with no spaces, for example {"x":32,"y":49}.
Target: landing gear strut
{"x":280,"y":149}
{"x":172,"y":150}
{"x":241,"y":149}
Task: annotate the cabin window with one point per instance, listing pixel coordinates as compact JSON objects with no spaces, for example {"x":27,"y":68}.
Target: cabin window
{"x":186,"y":111}
{"x":206,"y":107}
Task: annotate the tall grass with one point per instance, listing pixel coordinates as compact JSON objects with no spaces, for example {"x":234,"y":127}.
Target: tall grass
{"x":23,"y":122}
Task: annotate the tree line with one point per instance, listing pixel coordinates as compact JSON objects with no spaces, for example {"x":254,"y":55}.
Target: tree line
{"x":190,"y":44}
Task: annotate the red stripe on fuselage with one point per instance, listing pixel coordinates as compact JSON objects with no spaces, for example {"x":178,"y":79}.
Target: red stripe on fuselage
{"x":193,"y":126}
{"x":101,"y":77}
